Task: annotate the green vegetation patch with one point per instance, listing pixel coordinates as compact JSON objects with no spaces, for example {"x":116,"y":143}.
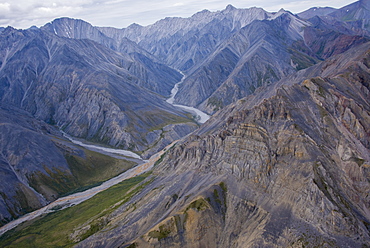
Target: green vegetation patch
{"x":162,"y":233}
{"x":96,"y":167}
{"x":88,"y":171}
{"x":319,"y":82}
{"x":216,"y":102}
{"x":223,"y":186}
{"x":55,"y":229}
{"x":312,"y":240}
{"x":323,"y":111}
{"x":133,"y":245}
{"x":301,"y":60}
{"x":220,"y":199}
{"x":359,"y":161}
{"x":217,"y":199}
{"x":199,"y":204}
{"x":156,"y":120}
{"x":54,"y":183}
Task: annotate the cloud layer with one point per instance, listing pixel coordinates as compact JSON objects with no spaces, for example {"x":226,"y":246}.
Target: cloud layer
{"x":121,"y":13}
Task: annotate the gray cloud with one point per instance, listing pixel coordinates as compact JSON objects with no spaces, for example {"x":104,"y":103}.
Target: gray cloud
{"x":121,"y":13}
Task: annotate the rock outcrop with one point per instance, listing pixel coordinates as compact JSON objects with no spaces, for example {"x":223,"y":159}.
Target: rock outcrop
{"x":285,"y":167}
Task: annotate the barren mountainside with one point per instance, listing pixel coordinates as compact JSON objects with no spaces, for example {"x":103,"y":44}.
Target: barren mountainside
{"x":86,"y":90}
{"x":284,"y":169}
{"x":284,"y":160}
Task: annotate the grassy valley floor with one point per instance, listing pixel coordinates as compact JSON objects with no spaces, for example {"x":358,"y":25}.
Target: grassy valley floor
{"x":67,"y":227}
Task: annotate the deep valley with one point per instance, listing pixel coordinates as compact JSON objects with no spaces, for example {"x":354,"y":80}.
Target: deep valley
{"x":233,"y":128}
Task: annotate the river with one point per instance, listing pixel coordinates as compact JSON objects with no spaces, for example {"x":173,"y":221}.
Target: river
{"x":79,"y":197}
{"x":145,"y":165}
{"x":123,"y":154}
{"x":201,"y":117}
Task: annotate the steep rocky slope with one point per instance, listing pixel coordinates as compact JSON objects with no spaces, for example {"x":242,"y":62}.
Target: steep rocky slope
{"x":185,"y":42}
{"x":227,"y":54}
{"x":262,"y":53}
{"x":87,"y":90}
{"x":153,"y":75}
{"x":255,"y":56}
{"x":285,"y":167}
{"x":356,"y":12}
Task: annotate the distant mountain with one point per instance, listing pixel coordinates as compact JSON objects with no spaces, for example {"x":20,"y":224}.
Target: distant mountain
{"x":154,"y":75}
{"x":220,"y":40}
{"x":327,"y":37}
{"x":221,"y":63}
{"x":257,"y":55}
{"x":260,"y":54}
{"x":357,"y":11}
{"x":316,"y":11}
{"x":185,"y":42}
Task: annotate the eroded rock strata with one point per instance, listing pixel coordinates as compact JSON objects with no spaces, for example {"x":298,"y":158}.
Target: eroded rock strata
{"x":287,"y":167}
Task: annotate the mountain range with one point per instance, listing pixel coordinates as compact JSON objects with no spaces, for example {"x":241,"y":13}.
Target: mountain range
{"x":232,"y":42}
{"x":283,"y":161}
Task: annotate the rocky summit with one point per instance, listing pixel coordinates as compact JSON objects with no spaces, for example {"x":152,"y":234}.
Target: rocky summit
{"x":284,"y":160}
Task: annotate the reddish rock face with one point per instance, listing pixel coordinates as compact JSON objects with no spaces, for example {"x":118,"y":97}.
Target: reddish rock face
{"x":326,"y":43}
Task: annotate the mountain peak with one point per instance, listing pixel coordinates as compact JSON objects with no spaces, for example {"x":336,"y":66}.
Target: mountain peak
{"x":229,"y":7}
{"x":316,"y":11}
{"x":356,"y":11}
{"x":280,"y":13}
{"x":135,"y":25}
{"x":68,"y":27}
{"x":33,"y":27}
{"x":67,"y":19}
{"x":201,"y":13}
{"x":9,"y":29}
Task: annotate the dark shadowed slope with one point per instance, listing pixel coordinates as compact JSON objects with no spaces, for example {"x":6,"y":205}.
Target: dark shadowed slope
{"x":38,"y":164}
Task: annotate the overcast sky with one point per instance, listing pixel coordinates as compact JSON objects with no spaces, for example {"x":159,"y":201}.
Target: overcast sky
{"x":121,"y":13}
